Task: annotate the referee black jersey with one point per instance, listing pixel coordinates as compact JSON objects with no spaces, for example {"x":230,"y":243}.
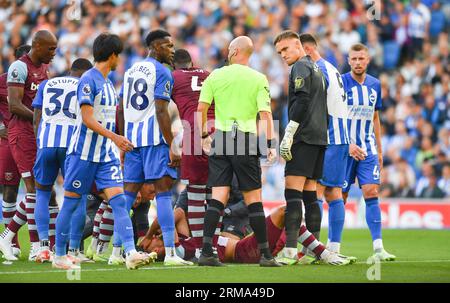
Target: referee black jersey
{"x":308,"y":102}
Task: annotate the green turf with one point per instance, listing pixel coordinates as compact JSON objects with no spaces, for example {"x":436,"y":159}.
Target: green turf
{"x":423,"y":256}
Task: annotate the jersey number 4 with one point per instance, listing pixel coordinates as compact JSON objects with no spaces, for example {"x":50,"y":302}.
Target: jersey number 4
{"x":54,"y":99}
{"x":195,"y":85}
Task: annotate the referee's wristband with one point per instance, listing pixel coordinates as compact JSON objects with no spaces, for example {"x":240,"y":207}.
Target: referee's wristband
{"x":205,"y":136}
{"x":271,"y":143}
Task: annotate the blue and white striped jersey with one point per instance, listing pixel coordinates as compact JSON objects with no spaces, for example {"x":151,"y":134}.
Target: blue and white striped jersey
{"x":143,"y":83}
{"x":57,"y":100}
{"x":336,"y":104}
{"x":363,"y":100}
{"x":93,"y":89}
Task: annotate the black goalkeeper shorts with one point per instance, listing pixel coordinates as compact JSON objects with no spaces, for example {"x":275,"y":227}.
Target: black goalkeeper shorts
{"x":307,"y":161}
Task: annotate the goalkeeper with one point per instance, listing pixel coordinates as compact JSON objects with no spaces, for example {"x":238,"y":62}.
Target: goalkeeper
{"x":304,"y":142}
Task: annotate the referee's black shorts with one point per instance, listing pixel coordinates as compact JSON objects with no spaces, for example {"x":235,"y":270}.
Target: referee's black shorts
{"x":307,"y":161}
{"x":241,"y":158}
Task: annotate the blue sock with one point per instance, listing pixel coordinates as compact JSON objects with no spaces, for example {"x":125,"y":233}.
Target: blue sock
{"x":41,"y":213}
{"x":63,"y":224}
{"x":130,"y":197}
{"x":122,"y":221}
{"x":336,"y":219}
{"x":373,"y":217}
{"x":320,"y":203}
{"x":77,"y":224}
{"x":165,"y":217}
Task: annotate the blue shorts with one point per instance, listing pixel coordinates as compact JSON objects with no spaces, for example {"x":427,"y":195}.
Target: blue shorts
{"x":334,"y":166}
{"x":49,"y":160}
{"x":81,"y":174}
{"x":147,"y":164}
{"x":367,"y":171}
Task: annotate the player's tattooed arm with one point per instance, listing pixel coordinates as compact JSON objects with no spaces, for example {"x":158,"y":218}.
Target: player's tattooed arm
{"x":87,"y":112}
{"x":36,"y":120}
{"x":16,"y":107}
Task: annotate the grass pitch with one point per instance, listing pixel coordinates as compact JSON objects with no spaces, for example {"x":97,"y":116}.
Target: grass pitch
{"x":422,"y":256}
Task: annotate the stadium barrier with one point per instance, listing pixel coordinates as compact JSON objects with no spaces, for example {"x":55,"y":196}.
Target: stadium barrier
{"x":395,"y":213}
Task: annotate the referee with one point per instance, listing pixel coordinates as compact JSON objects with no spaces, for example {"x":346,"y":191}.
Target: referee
{"x":304,"y":142}
{"x":239,"y":94}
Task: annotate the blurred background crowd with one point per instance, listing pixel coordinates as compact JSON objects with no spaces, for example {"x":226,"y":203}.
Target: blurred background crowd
{"x":408,"y":41}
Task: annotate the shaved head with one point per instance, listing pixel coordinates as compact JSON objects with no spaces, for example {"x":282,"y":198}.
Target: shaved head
{"x":241,"y":48}
{"x":43,"y":36}
{"x":43,"y":47}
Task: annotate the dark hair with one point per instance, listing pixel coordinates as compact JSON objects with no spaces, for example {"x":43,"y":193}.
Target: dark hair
{"x":359,"y":47}
{"x":105,"y":45}
{"x":22,"y":50}
{"x":155,"y":35}
{"x":81,"y":64}
{"x":288,"y":34}
{"x":182,"y":56}
{"x":308,"y":38}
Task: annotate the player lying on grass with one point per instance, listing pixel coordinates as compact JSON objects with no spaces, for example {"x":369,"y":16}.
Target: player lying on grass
{"x":230,"y":248}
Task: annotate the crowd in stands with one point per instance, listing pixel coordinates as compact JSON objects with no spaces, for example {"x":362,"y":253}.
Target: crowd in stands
{"x":408,"y":43}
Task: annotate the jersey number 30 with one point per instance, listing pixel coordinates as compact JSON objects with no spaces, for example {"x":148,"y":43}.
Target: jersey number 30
{"x":54,"y":99}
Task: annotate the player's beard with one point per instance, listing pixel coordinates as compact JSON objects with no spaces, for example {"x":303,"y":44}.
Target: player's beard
{"x":362,"y":72}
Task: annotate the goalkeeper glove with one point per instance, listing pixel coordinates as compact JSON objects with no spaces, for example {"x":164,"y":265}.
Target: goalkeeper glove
{"x":288,"y":139}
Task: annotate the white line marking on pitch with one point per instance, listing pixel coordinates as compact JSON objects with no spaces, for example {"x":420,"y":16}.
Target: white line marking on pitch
{"x":186,"y":267}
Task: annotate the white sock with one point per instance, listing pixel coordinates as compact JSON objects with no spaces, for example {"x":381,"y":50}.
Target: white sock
{"x":325,"y":254}
{"x":378,"y":245}
{"x":170,"y":252}
{"x":290,"y":252}
{"x":8,"y":235}
{"x":334,"y":247}
{"x":116,"y":251}
{"x":131,"y":252}
{"x":35,"y":245}
{"x":94,"y":242}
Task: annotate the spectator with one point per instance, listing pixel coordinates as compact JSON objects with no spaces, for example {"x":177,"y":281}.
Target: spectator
{"x":415,"y":94}
{"x":424,"y":180}
{"x":432,"y":191}
{"x":444,"y":181}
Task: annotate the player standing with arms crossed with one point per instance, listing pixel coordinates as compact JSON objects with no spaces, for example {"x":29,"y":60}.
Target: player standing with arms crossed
{"x":93,"y":155}
{"x":146,"y":95}
{"x":24,"y":77}
{"x":239,"y":94}
{"x":364,"y":102}
{"x":55,"y":113}
{"x":304,"y":142}
{"x":194,"y":163}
